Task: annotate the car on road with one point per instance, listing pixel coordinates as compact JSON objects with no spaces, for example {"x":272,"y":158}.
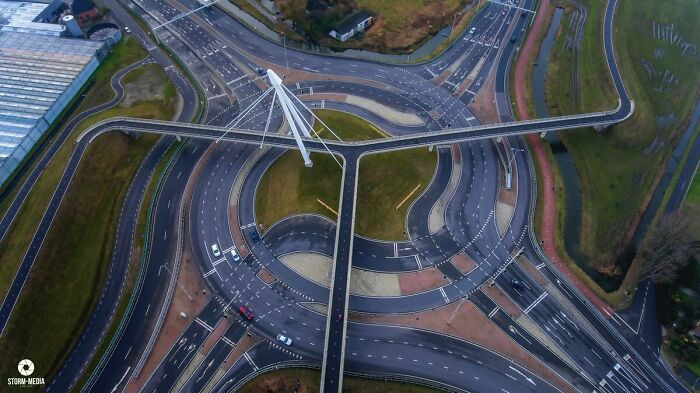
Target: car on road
{"x":262,"y":71}
{"x":254,"y":235}
{"x":517,"y":285}
{"x":246,"y":312}
{"x":284,"y":340}
{"x":235,"y":255}
{"x":472,"y":30}
{"x":215,"y":250}
{"x":127,"y":29}
{"x":513,"y":38}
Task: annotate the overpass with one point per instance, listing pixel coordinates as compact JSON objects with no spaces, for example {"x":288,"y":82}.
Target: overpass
{"x":336,"y":323}
{"x":596,"y":119}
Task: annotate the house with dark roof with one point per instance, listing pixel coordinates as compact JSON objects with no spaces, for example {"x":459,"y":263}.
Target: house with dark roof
{"x":83,"y":10}
{"x":354,"y":23}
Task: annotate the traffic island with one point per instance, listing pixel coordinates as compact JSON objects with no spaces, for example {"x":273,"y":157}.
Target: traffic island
{"x":388,"y":183}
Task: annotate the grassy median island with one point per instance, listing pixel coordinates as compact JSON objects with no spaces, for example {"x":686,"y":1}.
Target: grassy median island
{"x":310,"y":380}
{"x":68,"y":274}
{"x":385,"y":180}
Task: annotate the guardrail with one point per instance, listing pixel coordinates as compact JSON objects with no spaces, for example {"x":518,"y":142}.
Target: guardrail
{"x":393,"y":378}
{"x":171,"y":285}
{"x":572,"y":288}
{"x":278,"y":366}
{"x":542,"y":126}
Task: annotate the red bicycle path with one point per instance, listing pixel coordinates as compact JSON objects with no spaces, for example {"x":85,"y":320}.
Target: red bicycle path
{"x":548,"y":197}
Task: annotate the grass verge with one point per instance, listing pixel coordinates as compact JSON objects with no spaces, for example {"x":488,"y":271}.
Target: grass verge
{"x":385,"y":180}
{"x":71,"y":264}
{"x":126,"y":52}
{"x":618,"y":167}
{"x":309,"y":381}
{"x":279,"y":27}
{"x":134,"y":264}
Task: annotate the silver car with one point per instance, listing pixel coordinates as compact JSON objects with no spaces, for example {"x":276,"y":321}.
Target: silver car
{"x":215,"y":250}
{"x":284,"y":340}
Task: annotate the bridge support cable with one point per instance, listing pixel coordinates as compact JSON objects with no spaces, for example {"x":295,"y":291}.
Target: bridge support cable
{"x":512,"y":6}
{"x":313,"y":114}
{"x":297,"y":122}
{"x":310,"y":127}
{"x":178,"y":17}
{"x":240,"y":117}
{"x":269,"y":117}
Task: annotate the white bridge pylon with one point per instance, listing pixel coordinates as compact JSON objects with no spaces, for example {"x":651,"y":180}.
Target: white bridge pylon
{"x":291,"y":113}
{"x":301,"y":128}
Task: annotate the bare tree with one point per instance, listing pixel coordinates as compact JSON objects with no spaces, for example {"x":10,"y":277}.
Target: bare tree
{"x":668,"y":248}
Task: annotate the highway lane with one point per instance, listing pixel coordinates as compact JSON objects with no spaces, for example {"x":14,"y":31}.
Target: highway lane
{"x":164,"y":377}
{"x":216,"y":356}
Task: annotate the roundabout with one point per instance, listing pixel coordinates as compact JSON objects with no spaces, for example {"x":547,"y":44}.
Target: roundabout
{"x":397,"y":255}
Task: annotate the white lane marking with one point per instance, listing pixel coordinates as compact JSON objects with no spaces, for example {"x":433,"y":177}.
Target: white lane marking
{"x":204,"y":324}
{"x":252,"y":363}
{"x":493,"y":311}
{"x":536,"y":302}
{"x":209,"y":273}
{"x":444,"y":295}
{"x":121,"y":380}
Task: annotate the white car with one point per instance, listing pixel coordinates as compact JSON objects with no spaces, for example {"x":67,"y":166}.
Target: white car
{"x":235,"y":255}
{"x":284,"y":340}
{"x":127,"y":29}
{"x":472,"y":30}
{"x":215,"y":250}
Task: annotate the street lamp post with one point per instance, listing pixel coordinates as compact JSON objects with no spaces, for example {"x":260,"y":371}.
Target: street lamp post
{"x":512,"y":157}
{"x":452,"y":29}
{"x":181,"y":286}
{"x":456,"y":309}
{"x":284,"y":43}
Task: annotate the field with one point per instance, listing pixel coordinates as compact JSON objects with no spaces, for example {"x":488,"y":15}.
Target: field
{"x":385,"y":180}
{"x":618,"y":167}
{"x":123,"y":54}
{"x":70,"y":267}
{"x":309,"y":381}
{"x":395,"y":30}
{"x":692,"y":204}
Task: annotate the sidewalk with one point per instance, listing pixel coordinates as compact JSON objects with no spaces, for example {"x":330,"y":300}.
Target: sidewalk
{"x":548,"y":197}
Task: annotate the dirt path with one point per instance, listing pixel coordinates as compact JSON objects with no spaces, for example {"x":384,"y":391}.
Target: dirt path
{"x":548,"y":197}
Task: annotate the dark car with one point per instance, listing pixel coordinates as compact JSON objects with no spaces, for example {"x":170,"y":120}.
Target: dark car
{"x":246,"y":312}
{"x":254,"y":235}
{"x":513,"y":38}
{"x":518,"y":285}
{"x":262,"y":71}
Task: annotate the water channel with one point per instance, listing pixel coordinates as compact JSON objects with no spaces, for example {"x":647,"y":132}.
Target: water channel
{"x":572,"y":191}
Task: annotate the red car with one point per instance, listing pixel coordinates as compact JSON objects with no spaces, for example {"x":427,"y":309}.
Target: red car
{"x":246,"y":312}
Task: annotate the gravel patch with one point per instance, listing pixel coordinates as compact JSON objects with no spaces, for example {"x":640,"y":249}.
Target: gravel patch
{"x":367,"y":283}
{"x":318,"y":268}
{"x":390,"y":114}
{"x":315,"y":267}
{"x":504,"y":212}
